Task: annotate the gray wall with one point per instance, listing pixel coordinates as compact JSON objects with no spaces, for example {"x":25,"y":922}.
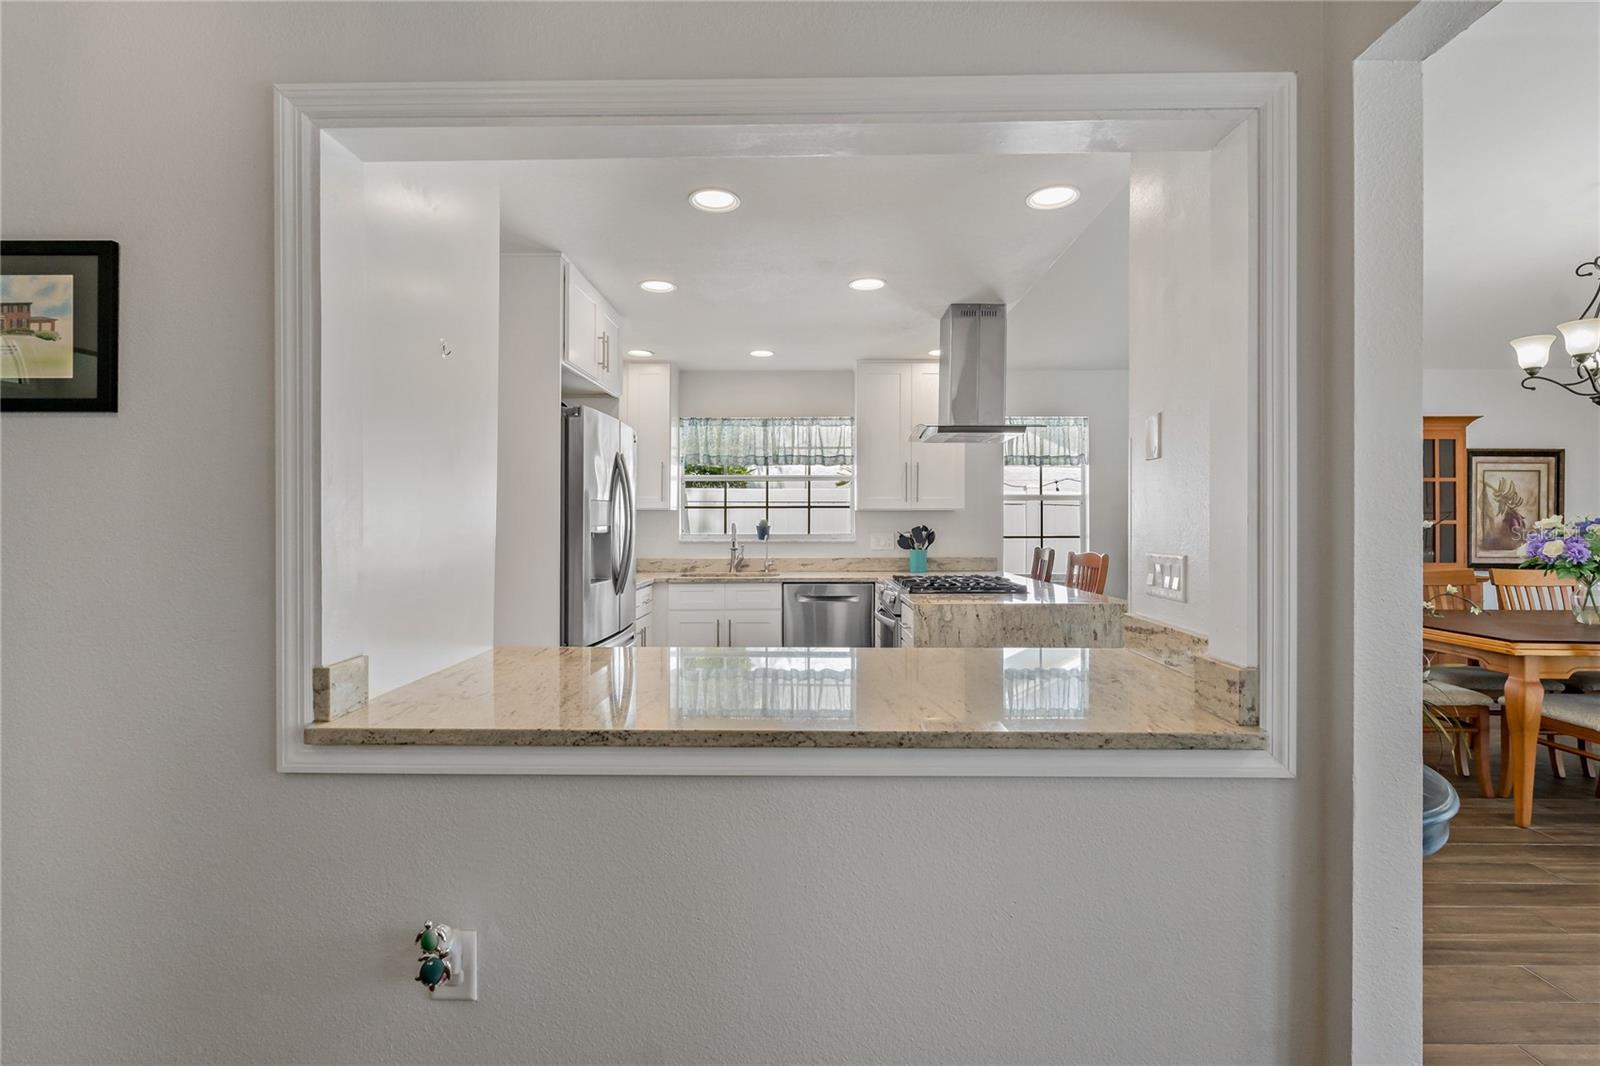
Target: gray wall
{"x":177,"y":900}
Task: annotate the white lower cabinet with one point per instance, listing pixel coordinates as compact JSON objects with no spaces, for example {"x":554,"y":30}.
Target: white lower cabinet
{"x":754,"y":629}
{"x":724,"y":614}
{"x":694,"y":629}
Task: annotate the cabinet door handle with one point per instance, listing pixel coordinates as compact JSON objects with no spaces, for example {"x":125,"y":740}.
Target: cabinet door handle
{"x":664,"y":494}
{"x":730,"y":632}
{"x":719,"y":632}
{"x":919,"y":481}
{"x":905,"y":481}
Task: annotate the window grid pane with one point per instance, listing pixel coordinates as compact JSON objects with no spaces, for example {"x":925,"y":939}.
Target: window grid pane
{"x":797,"y":500}
{"x":1042,"y":508}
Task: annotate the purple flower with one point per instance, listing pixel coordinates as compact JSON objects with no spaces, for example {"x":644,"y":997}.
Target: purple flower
{"x":1578,"y":549}
{"x":1535,"y":544}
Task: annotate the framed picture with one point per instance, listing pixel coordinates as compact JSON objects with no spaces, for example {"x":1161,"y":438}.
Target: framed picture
{"x":58,"y":325}
{"x":1512,"y":488}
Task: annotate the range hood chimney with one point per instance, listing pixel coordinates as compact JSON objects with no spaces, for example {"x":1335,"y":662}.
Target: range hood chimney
{"x":972,"y":377}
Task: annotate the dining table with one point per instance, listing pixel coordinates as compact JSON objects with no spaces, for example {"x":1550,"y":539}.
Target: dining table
{"x":1529,"y":647}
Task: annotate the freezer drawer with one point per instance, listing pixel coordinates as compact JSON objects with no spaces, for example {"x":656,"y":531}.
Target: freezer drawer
{"x":827,"y":615}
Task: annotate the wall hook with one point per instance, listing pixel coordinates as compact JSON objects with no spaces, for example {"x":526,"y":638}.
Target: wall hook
{"x":449,"y":961}
{"x":444,"y":349}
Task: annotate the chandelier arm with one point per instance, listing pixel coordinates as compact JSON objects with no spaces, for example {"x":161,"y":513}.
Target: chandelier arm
{"x":1593,"y":392}
{"x":1590,"y":269}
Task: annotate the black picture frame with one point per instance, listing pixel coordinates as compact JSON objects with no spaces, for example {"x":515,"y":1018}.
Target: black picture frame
{"x":1556,"y":458}
{"x":15,"y":396}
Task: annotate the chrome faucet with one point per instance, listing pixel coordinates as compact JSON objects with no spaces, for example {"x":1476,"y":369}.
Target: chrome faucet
{"x":735,"y":549}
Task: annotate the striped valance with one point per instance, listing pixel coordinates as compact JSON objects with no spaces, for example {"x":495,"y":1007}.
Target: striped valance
{"x":756,"y":442}
{"x":1055,"y":440}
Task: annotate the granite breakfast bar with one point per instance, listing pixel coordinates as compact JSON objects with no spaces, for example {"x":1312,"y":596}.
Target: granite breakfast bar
{"x":1040,"y":614}
{"x":980,"y":698}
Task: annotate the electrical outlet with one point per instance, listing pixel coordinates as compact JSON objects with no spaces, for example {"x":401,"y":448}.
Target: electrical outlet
{"x":880,"y":542}
{"x":1167,"y":576}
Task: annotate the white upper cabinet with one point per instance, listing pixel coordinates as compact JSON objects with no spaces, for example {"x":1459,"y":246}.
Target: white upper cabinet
{"x":593,"y":348}
{"x":893,"y":473}
{"x":650,"y":406}
{"x":938,"y":471}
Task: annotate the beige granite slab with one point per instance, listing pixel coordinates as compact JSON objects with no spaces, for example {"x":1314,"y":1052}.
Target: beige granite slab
{"x":817,"y":568}
{"x":1066,"y":698}
{"x":338,"y":688}
{"x":1228,"y":691}
{"x":1042,"y":615}
{"x":1166,"y":644}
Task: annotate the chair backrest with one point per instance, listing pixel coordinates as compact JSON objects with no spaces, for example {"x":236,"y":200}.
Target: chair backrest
{"x":1044,"y":564}
{"x":1467,"y":583}
{"x":1087,"y":570}
{"x":1532,"y":590}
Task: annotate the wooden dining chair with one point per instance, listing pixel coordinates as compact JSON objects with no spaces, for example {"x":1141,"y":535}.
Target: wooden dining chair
{"x":1532,"y":590}
{"x":1044,"y":564}
{"x":1575,"y":715}
{"x":1453,"y":669}
{"x":1540,"y":590}
{"x":1464,"y":716}
{"x":1087,"y":571}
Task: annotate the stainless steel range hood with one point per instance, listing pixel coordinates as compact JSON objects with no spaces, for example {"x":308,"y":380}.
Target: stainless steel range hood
{"x":972,"y":377}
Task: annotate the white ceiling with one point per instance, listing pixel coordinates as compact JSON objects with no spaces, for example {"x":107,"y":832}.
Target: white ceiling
{"x":1512,"y":176}
{"x":773,"y":274}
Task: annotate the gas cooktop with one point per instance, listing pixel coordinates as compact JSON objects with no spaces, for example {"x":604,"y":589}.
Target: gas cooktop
{"x":956,"y":583}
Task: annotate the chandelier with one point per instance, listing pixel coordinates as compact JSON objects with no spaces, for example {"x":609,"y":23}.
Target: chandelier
{"x":1582,"y":339}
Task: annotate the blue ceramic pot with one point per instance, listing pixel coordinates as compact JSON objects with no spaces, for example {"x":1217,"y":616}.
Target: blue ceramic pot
{"x":1439,"y":804}
{"x":919,"y":561}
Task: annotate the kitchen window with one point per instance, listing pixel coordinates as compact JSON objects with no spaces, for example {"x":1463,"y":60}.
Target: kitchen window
{"x":797,"y":473}
{"x":1046,"y":490}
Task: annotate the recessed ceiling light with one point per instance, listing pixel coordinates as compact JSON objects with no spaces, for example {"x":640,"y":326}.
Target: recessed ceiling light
{"x":714,"y":200}
{"x":657,"y":286}
{"x":640,"y":353}
{"x":867,"y":284}
{"x":762,"y":353}
{"x":935,"y":351}
{"x":1051,"y":197}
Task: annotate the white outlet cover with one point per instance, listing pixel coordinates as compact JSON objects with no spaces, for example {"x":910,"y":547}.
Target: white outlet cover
{"x":463,"y":983}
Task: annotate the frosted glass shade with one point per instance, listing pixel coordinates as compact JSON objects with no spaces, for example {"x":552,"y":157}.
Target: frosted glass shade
{"x":1582,"y":335}
{"x":1533,"y":352}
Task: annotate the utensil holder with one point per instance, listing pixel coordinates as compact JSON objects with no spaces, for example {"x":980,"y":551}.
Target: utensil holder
{"x":919,"y":561}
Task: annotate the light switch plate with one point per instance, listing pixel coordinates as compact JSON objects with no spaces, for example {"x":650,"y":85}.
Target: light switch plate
{"x":1167,"y":576}
{"x":1152,"y":436}
{"x":880,"y":542}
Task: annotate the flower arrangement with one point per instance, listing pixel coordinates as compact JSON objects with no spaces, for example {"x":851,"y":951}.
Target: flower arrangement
{"x":1570,"y":548}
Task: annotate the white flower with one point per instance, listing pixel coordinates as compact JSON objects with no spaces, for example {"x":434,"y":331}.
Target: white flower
{"x":1553,"y":549}
{"x":1451,"y":590}
{"x":1549,"y":523}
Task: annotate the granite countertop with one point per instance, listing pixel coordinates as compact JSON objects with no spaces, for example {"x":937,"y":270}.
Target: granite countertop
{"x":796,"y":697}
{"x":756,"y":575}
{"x":1033,"y":592}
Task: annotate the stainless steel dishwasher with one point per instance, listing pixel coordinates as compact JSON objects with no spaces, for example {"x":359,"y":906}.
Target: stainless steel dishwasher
{"x":827,"y":615}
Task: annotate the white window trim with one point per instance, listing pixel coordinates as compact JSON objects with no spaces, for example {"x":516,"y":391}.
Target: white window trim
{"x":1265,"y":101}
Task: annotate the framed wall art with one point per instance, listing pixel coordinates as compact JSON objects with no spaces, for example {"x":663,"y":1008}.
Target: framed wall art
{"x":58,"y":325}
{"x":1510,"y":489}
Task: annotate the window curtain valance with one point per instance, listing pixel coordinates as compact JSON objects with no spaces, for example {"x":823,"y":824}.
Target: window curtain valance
{"x":767,"y":441}
{"x":1056,"y":440}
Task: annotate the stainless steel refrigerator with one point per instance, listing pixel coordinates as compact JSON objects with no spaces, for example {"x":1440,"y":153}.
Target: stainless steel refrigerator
{"x":598,"y":459}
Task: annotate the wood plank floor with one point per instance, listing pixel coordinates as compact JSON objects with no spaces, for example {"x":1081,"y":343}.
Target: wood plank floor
{"x":1511,"y":928}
